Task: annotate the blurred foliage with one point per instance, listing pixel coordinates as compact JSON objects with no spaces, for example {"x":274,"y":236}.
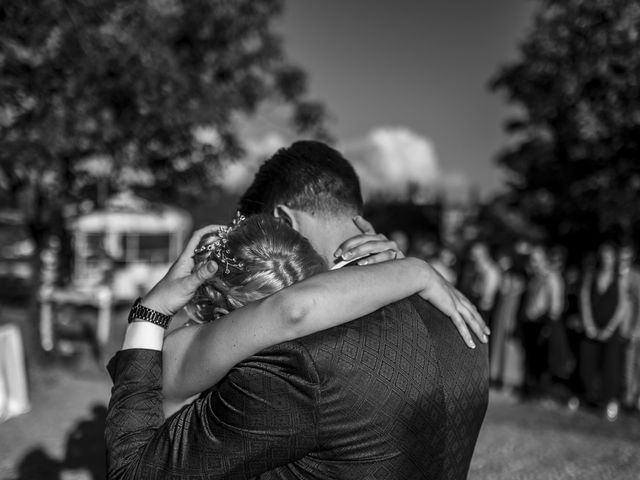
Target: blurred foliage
{"x":573,"y":163}
{"x":103,"y":95}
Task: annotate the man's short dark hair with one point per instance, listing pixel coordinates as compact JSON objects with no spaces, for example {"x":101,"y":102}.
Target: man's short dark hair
{"x":309,"y":176}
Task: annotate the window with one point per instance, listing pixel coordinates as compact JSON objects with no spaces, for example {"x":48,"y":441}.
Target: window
{"x":147,"y":248}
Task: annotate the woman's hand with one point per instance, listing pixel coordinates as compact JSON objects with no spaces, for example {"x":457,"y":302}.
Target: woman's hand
{"x":180,"y":283}
{"x":440,"y":293}
{"x":464,"y":315}
{"x":376,"y":247}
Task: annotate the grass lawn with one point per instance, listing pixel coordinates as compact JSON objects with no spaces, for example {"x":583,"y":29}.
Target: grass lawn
{"x":62,"y":435}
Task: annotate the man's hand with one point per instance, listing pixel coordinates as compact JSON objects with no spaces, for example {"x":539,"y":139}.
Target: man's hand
{"x":180,"y":283}
{"x":441,"y":294}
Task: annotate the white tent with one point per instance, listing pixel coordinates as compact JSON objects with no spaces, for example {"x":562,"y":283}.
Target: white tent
{"x":128,"y":245}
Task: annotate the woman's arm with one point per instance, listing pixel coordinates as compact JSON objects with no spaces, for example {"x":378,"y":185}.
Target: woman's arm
{"x":197,"y":357}
{"x":491,"y":287}
{"x":556,"y":296}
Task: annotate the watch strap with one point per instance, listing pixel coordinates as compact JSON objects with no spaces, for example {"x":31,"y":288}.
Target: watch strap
{"x":146,"y":314}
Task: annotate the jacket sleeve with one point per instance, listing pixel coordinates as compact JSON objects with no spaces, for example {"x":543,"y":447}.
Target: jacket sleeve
{"x":261,"y":416}
{"x":135,"y":409}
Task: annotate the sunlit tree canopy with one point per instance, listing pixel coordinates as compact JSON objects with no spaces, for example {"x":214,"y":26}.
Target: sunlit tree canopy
{"x":573,"y":163}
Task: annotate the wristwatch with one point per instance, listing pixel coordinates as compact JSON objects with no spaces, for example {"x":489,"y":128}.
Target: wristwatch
{"x":140,"y":312}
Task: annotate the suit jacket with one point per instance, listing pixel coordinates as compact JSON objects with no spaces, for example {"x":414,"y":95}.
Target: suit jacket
{"x":393,"y":395}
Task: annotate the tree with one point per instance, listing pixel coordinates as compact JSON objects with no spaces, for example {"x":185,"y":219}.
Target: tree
{"x":573,"y":163}
{"x":99,"y":95}
{"x":102,"y":95}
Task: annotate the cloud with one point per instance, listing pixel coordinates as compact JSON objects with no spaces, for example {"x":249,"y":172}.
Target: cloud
{"x":235,"y":176}
{"x":393,"y":161}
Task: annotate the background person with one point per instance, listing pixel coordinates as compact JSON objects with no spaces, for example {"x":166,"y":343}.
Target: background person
{"x":603,"y":315}
{"x":542,"y":303}
{"x":506,"y":355}
{"x":630,"y":279}
{"x":485,"y":284}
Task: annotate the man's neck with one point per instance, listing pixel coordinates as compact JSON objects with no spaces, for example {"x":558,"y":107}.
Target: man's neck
{"x":326,"y":235}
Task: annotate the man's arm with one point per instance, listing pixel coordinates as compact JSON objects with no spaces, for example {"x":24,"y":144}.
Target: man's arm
{"x":135,"y":409}
{"x":262,"y":415}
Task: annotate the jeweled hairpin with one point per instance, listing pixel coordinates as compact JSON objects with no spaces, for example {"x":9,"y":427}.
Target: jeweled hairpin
{"x":220,"y":247}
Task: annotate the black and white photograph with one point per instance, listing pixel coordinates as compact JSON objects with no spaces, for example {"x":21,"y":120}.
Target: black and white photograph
{"x":280,"y":239}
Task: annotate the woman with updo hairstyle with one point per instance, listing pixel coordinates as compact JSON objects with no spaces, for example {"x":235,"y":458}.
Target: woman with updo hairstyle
{"x":271,"y":286}
{"x":262,"y":255}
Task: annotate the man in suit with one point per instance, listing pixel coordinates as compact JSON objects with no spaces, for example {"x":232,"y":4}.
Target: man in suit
{"x":393,"y":395}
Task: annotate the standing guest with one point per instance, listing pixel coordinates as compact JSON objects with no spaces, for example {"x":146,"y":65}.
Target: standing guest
{"x":506,"y":358}
{"x":630,"y":278}
{"x":603,"y":310}
{"x":486,"y":280}
{"x":402,"y":240}
{"x":443,"y":263}
{"x":575,"y":331}
{"x":543,"y":303}
{"x":560,"y":356}
{"x":422,"y":245}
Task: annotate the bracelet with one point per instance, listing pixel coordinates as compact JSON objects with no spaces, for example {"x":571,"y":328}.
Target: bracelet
{"x":140,"y":312}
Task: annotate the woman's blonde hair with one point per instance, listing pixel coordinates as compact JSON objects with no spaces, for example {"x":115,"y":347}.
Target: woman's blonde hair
{"x":260,"y":255}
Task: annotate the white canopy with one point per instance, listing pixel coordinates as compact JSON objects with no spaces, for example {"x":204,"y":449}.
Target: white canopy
{"x":128,"y":213}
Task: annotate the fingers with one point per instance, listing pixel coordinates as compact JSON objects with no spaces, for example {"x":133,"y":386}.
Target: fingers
{"x":473,"y":312}
{"x":363,"y":225}
{"x":463,"y":314}
{"x":462,"y":328}
{"x":356,"y":241}
{"x":379,"y":257}
{"x":448,"y":303}
{"x":368,"y":244}
{"x":371,"y":248}
{"x":201,"y":274}
{"x":195,"y":238}
{"x":474,"y":322}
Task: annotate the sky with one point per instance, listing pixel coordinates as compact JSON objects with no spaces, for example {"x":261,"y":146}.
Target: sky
{"x":411,"y":73}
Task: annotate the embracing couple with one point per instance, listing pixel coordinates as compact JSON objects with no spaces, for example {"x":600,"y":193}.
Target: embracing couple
{"x":292,"y":367}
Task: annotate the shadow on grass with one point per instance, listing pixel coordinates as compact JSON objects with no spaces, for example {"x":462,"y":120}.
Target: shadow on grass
{"x":84,"y":456}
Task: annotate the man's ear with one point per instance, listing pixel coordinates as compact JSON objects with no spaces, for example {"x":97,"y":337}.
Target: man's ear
{"x":286,"y":214}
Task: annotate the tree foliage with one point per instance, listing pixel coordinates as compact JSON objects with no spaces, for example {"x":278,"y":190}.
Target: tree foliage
{"x":100,"y":95}
{"x":573,"y":162}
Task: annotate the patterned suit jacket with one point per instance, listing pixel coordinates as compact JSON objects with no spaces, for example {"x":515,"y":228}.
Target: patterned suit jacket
{"x":393,"y":395}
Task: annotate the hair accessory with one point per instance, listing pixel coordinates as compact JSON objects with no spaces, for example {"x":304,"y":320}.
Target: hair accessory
{"x":220,"y":248}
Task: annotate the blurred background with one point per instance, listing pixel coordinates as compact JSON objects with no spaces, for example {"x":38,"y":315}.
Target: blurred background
{"x":499,"y":140}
